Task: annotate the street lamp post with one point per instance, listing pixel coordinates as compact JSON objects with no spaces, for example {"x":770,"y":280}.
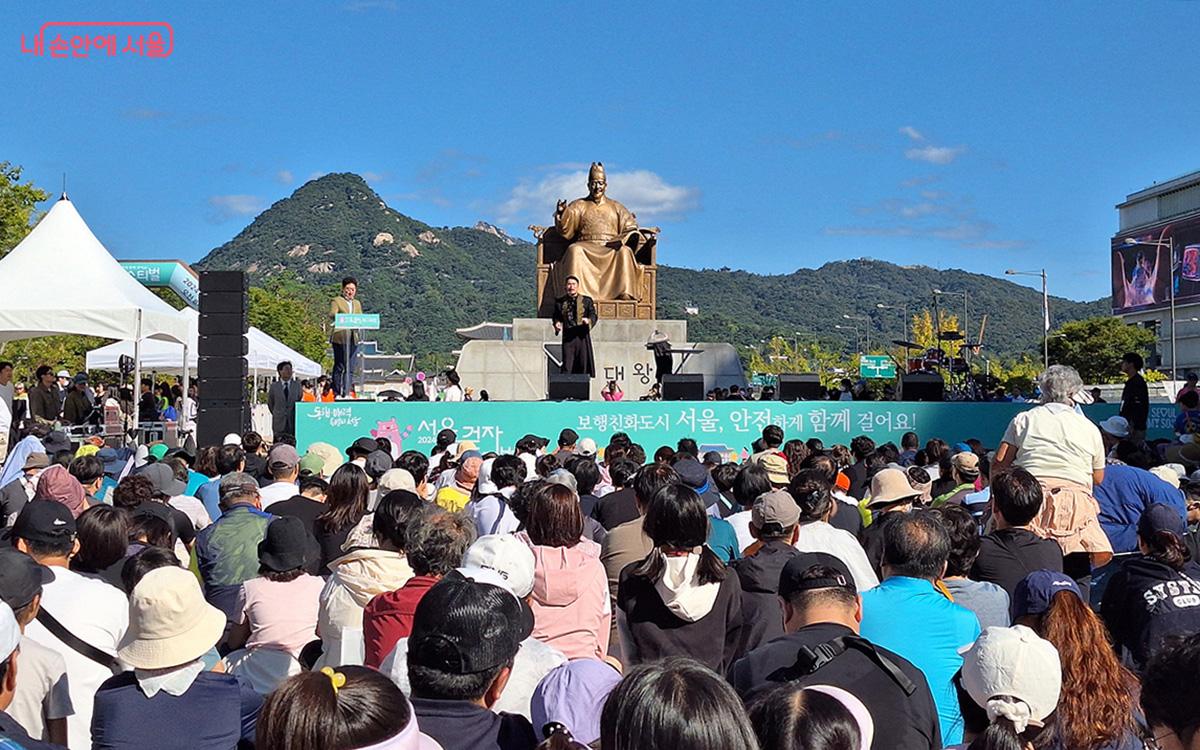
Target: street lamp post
{"x":1045,"y":312}
{"x":1170,"y":245}
{"x":866,"y":326}
{"x":857,"y":337}
{"x":903,"y":311}
{"x":965,"y":332}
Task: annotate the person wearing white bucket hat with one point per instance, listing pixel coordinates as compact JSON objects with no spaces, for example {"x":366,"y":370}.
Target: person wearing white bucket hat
{"x":168,"y":697}
{"x":1016,"y":677}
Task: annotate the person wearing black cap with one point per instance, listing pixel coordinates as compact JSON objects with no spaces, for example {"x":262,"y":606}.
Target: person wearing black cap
{"x":465,"y":637}
{"x":41,"y":702}
{"x":1155,"y":595}
{"x":91,"y":615}
{"x":822,"y":646}
{"x":566,"y":445}
{"x":445,"y":439}
{"x":359,"y":450}
{"x":277,"y":610}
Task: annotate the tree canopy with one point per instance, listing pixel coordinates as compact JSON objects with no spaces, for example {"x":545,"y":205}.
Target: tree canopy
{"x":1095,"y":346}
{"x":17,"y":203}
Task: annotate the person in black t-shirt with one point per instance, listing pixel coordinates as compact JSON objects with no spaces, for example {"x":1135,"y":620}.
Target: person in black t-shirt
{"x":307,"y":505}
{"x":1012,"y":551}
{"x":1135,"y":396}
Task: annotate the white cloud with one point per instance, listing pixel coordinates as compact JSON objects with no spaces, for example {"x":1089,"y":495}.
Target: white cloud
{"x":225,"y":207}
{"x":935,"y":154}
{"x":285,"y":176}
{"x":374,"y":176}
{"x":643,"y":192}
{"x":912,"y":133}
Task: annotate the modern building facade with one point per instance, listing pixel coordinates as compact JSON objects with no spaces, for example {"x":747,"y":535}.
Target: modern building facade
{"x":1156,"y":269}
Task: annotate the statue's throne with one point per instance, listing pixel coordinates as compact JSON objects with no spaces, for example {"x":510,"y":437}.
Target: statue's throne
{"x":550,"y":247}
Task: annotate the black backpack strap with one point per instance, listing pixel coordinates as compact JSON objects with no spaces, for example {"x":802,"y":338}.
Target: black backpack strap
{"x":811,"y":658}
{"x":76,"y":644}
{"x":500,"y":516}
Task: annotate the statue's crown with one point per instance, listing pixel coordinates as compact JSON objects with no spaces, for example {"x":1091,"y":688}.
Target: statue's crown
{"x":596,"y":172}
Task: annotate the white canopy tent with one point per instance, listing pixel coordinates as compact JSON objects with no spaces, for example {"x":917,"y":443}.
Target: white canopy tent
{"x":61,"y":280}
{"x":265,"y":353}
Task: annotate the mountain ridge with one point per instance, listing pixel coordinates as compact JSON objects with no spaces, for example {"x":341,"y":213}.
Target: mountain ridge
{"x":426,"y":281}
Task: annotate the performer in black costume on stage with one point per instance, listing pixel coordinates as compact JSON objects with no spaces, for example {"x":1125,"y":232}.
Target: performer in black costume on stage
{"x":663,"y":361}
{"x":574,"y":316}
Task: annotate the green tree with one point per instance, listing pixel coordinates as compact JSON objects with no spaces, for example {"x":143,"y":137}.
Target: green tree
{"x":60,"y":352}
{"x":17,"y":202}
{"x":1095,"y":346}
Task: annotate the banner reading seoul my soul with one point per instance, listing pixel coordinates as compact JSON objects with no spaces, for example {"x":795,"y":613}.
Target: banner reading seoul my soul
{"x":727,"y":426}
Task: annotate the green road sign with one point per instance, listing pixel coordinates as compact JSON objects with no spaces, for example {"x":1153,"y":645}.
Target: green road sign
{"x":876,"y":366}
{"x":362,"y":321}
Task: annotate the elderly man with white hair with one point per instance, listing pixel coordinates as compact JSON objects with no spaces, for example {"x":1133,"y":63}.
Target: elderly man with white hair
{"x":1065,"y":452}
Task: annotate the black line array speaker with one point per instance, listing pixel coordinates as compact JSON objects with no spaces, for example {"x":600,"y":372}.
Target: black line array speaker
{"x":922,"y":386}
{"x":221,"y":352}
{"x":569,"y":386}
{"x":689,"y":387}
{"x":799,"y":386}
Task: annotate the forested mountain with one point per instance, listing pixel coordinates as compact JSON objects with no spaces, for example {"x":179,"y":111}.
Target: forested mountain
{"x":427,"y":281}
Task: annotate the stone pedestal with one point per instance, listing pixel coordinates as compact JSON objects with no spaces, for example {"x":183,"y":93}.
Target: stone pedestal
{"x":516,"y":370}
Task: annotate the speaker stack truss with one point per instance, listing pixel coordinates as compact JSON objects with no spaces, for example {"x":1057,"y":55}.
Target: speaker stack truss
{"x":223,"y":406}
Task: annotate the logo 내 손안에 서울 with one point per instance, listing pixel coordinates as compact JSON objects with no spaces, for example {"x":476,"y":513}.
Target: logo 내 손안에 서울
{"x":152,"y":39}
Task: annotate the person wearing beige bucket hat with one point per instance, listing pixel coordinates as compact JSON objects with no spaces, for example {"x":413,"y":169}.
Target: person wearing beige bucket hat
{"x":168,"y":697}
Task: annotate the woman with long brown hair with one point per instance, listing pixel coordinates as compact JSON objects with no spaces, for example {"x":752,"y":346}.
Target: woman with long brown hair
{"x":1097,"y":709}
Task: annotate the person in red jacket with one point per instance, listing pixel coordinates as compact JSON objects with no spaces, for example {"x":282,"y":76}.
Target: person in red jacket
{"x":435,"y":546}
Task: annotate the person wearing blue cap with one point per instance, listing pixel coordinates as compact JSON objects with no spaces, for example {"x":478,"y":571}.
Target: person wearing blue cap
{"x":1098,"y":707}
{"x":1156,"y":595}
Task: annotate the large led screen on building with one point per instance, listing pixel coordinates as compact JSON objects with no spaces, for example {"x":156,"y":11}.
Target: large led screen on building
{"x":1141,"y":266}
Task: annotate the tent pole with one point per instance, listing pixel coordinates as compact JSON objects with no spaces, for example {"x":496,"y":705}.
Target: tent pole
{"x":137,"y":373}
{"x":183,"y":402}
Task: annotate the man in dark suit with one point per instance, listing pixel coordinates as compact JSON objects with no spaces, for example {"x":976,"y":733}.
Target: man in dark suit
{"x":574,"y":316}
{"x":281,"y":401}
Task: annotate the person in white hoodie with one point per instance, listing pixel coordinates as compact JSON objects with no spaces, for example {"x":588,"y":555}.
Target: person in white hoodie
{"x":680,"y":600}
{"x":359,"y":575}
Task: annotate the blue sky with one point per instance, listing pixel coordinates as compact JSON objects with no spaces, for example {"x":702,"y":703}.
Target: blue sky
{"x":978,"y":135}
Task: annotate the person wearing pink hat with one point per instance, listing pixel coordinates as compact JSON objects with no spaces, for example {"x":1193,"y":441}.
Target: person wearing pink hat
{"x":57,"y":484}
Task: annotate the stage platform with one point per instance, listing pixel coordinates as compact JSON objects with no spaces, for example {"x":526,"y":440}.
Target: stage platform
{"x":726,"y":426}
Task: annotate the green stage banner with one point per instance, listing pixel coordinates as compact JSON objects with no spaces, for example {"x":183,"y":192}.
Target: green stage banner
{"x":726,"y":426}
